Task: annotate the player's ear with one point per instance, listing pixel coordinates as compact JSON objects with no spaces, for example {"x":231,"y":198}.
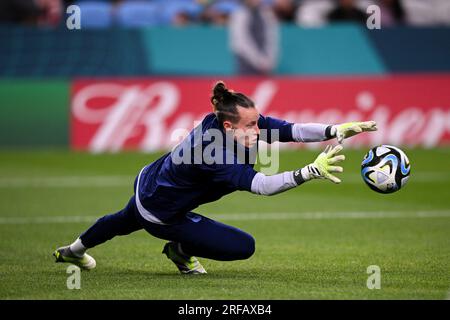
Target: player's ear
{"x":227,"y":125}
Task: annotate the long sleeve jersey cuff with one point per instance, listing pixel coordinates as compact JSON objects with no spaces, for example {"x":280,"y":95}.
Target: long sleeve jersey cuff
{"x":311,"y":132}
{"x":270,"y":185}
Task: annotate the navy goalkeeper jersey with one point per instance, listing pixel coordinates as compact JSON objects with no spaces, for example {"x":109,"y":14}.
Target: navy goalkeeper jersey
{"x":168,"y":189}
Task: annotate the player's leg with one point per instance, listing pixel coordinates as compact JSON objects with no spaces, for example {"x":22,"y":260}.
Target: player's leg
{"x":121,"y":223}
{"x":204,"y":237}
{"x":196,"y":235}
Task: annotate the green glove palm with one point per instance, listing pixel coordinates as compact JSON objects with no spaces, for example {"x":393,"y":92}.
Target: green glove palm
{"x":349,"y":129}
{"x":323,"y":166}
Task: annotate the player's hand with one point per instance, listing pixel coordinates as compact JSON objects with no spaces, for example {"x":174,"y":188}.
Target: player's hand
{"x":324,"y":166}
{"x":349,"y":129}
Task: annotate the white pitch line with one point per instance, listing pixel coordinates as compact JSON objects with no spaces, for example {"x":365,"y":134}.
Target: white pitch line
{"x":125,"y":181}
{"x":251,"y":216}
{"x":331,"y":215}
{"x":49,"y":219}
{"x":67,"y":182}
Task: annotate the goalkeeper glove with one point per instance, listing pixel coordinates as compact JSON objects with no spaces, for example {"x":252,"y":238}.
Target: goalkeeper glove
{"x":349,"y":129}
{"x":322,"y":167}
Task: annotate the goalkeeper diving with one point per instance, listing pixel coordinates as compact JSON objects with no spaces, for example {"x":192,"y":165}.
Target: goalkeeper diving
{"x":167,"y":190}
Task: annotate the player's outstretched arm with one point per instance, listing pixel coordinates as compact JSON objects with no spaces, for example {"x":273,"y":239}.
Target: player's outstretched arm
{"x":316,"y":132}
{"x":322,"y":168}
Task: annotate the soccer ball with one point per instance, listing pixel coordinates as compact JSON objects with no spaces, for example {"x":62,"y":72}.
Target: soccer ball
{"x":385,"y":169}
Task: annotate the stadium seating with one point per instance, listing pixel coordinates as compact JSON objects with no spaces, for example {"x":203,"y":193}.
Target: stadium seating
{"x":95,"y":14}
{"x":313,"y":13}
{"x":170,"y":9}
{"x":226,"y":7}
{"x":136,"y":14}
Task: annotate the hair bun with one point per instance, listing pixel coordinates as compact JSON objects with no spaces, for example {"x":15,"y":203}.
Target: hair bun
{"x":220,"y":92}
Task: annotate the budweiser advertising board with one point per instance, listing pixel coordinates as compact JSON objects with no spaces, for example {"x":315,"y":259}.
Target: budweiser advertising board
{"x":148,"y":114}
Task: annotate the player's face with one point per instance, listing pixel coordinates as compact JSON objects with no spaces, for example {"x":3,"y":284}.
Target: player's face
{"x":246,"y":131}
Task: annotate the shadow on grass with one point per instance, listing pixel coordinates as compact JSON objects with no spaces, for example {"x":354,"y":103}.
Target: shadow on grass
{"x":211,"y":275}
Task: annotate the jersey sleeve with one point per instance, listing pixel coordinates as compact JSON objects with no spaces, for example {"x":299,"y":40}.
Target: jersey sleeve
{"x":268,"y":125}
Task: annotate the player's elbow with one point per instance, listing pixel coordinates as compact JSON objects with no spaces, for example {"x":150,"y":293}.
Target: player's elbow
{"x":261,"y":185}
{"x":272,"y":185}
{"x":267,"y":191}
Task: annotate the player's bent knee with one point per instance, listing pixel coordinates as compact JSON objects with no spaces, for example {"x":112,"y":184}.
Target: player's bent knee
{"x":247,"y":248}
{"x":251,"y":247}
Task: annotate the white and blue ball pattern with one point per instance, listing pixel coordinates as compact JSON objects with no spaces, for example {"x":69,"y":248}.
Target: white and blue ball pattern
{"x":385,"y":169}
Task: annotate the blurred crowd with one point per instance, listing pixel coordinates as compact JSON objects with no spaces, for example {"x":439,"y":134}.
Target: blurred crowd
{"x":142,"y":13}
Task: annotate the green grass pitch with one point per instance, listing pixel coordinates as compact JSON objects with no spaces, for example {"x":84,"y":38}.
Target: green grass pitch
{"x":313,"y":242}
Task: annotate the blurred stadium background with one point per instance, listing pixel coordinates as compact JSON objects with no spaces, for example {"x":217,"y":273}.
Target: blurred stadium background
{"x":82,"y":110}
